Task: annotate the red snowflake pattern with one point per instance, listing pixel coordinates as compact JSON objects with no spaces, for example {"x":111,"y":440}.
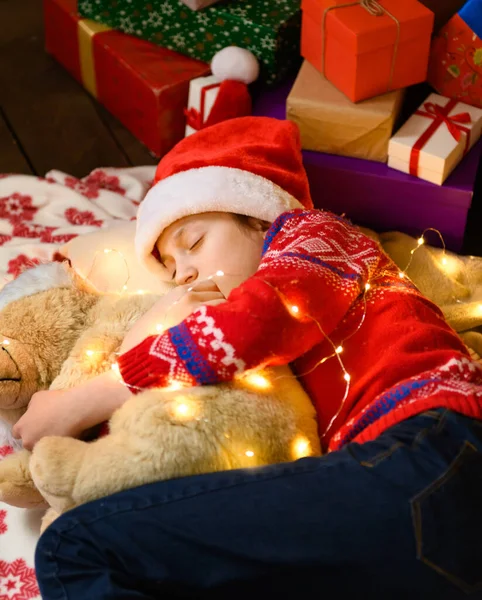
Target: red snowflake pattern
{"x":3,"y":525}
{"x":103,"y":181}
{"x":17,"y":207}
{"x":77,"y":217}
{"x":5,"y":451}
{"x":88,"y":190}
{"x":4,"y":239}
{"x":32,"y":231}
{"x":20,"y":264}
{"x":17,"y":581}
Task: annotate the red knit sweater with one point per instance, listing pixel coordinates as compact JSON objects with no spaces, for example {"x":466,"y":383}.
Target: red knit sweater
{"x":401,"y":356}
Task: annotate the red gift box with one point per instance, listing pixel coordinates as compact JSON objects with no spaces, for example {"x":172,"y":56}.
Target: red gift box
{"x":146,"y":87}
{"x":455,"y":68}
{"x":367,"y":47}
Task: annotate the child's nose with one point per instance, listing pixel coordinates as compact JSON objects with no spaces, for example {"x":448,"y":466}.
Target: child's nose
{"x":185,"y":276}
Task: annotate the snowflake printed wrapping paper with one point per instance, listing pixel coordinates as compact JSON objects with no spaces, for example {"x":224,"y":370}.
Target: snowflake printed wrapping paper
{"x":268,"y":28}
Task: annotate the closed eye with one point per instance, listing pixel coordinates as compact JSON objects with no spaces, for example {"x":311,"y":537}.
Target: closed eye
{"x":197,"y":243}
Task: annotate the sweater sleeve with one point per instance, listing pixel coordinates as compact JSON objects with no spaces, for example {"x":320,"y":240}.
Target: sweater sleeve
{"x":314,"y":266}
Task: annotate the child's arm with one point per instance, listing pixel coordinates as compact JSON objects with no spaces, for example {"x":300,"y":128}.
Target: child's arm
{"x":314,"y":267}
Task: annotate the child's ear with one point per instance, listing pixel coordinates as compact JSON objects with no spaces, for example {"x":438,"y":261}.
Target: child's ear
{"x":258,"y":224}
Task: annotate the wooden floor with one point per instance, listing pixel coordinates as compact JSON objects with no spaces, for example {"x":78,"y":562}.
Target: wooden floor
{"x":48,"y":121}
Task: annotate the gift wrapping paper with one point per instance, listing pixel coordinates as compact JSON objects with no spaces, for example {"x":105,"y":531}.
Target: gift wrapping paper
{"x":268,"y":28}
{"x":455,"y":67}
{"x":146,"y":87}
{"x":435,"y":138}
{"x":329,"y":122}
{"x":367,"y":49}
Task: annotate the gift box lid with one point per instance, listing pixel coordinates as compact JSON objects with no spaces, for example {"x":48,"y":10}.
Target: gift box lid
{"x":360,"y":31}
{"x":442,"y":150}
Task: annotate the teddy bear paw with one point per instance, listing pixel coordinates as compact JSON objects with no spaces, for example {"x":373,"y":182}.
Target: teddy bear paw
{"x":54,"y":465}
{"x":16,"y":485}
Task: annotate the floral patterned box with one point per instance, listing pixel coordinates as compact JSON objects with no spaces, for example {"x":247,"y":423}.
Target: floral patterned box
{"x":455,"y":68}
{"x":269,"y":28}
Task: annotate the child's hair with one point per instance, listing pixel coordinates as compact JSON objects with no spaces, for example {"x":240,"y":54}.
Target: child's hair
{"x":250,"y":223}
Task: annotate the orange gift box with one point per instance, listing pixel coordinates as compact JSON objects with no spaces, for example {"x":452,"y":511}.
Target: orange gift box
{"x":369,"y":47}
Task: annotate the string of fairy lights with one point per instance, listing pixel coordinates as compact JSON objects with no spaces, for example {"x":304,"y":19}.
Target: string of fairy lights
{"x":187,"y":408}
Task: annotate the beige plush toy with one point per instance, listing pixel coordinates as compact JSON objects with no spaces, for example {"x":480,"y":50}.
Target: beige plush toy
{"x":57,"y":332}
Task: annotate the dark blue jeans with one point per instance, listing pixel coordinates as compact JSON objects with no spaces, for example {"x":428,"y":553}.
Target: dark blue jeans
{"x":396,"y":518}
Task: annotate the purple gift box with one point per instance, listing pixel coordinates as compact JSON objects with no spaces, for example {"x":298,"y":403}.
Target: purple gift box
{"x":371,"y":194}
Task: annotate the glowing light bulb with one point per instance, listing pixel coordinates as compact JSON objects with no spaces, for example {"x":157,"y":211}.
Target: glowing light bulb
{"x":5,"y":342}
{"x":420,"y":241}
{"x":115,"y":368}
{"x":220,"y":273}
{"x":249,"y":453}
{"x":160,"y":327}
{"x":140,"y":292}
{"x":174,"y":386}
{"x":184,"y":408}
{"x":294,"y":310}
{"x":301,"y":447}
{"x":257,"y":381}
{"x":124,"y":287}
{"x":367,"y":286}
{"x":479,"y":308}
{"x":444,"y":261}
{"x":346,"y":377}
{"x":401,"y":274}
{"x":339,"y":350}
{"x":89,"y":352}
{"x":107,"y":250}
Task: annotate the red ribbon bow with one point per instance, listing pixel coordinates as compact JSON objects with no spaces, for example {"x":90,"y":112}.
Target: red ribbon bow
{"x":440,"y":115}
{"x":196,"y":118}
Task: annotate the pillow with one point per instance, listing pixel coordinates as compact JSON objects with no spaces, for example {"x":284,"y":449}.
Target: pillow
{"x":107,"y":259}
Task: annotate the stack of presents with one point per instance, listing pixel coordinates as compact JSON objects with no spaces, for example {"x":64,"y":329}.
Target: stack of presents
{"x":387,"y":93}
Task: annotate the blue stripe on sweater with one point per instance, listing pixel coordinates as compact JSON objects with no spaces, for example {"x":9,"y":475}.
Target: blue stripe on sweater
{"x":188,"y":352}
{"x":383,"y":405}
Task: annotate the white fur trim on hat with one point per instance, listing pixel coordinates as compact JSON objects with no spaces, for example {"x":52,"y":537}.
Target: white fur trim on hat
{"x":208,"y":189}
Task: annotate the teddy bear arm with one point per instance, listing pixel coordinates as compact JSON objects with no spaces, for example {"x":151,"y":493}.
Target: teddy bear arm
{"x":93,"y":354}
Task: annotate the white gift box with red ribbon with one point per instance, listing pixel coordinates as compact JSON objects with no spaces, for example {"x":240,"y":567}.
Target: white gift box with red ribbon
{"x":435,"y":138}
{"x":203,"y":92}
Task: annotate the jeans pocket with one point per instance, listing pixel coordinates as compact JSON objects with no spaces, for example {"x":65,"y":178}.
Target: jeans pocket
{"x":447,"y":520}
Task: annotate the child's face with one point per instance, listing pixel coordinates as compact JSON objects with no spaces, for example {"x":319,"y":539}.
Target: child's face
{"x":196,"y":247}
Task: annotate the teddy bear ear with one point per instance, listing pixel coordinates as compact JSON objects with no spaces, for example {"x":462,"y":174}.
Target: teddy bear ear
{"x":40,"y":278}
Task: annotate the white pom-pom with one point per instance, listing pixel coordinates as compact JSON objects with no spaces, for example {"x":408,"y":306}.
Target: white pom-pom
{"x":235,"y":64}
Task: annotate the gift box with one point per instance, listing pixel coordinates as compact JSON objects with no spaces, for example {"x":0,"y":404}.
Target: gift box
{"x":212,"y":101}
{"x":144,"y":86}
{"x":372,"y":194}
{"x":270,"y":29}
{"x":329,"y":122}
{"x":443,"y":10}
{"x":203,"y":92}
{"x":198,"y":4}
{"x":455,"y":67}
{"x":367,"y":48}
{"x":435,"y":138}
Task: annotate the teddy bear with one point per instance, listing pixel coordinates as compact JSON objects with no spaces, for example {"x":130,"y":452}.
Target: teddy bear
{"x":56,"y":331}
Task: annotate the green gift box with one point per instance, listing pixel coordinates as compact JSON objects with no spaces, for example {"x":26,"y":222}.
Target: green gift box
{"x":270,"y":29}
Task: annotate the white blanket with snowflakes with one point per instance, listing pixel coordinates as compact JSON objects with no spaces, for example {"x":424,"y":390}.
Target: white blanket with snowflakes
{"x":37,"y":216}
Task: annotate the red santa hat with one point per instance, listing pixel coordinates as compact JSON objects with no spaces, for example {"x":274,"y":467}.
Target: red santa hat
{"x":250,"y":166}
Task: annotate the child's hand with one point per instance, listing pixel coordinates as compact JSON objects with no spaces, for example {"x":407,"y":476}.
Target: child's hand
{"x":171,"y":310}
{"x":73,"y":411}
{"x":49,"y":413}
